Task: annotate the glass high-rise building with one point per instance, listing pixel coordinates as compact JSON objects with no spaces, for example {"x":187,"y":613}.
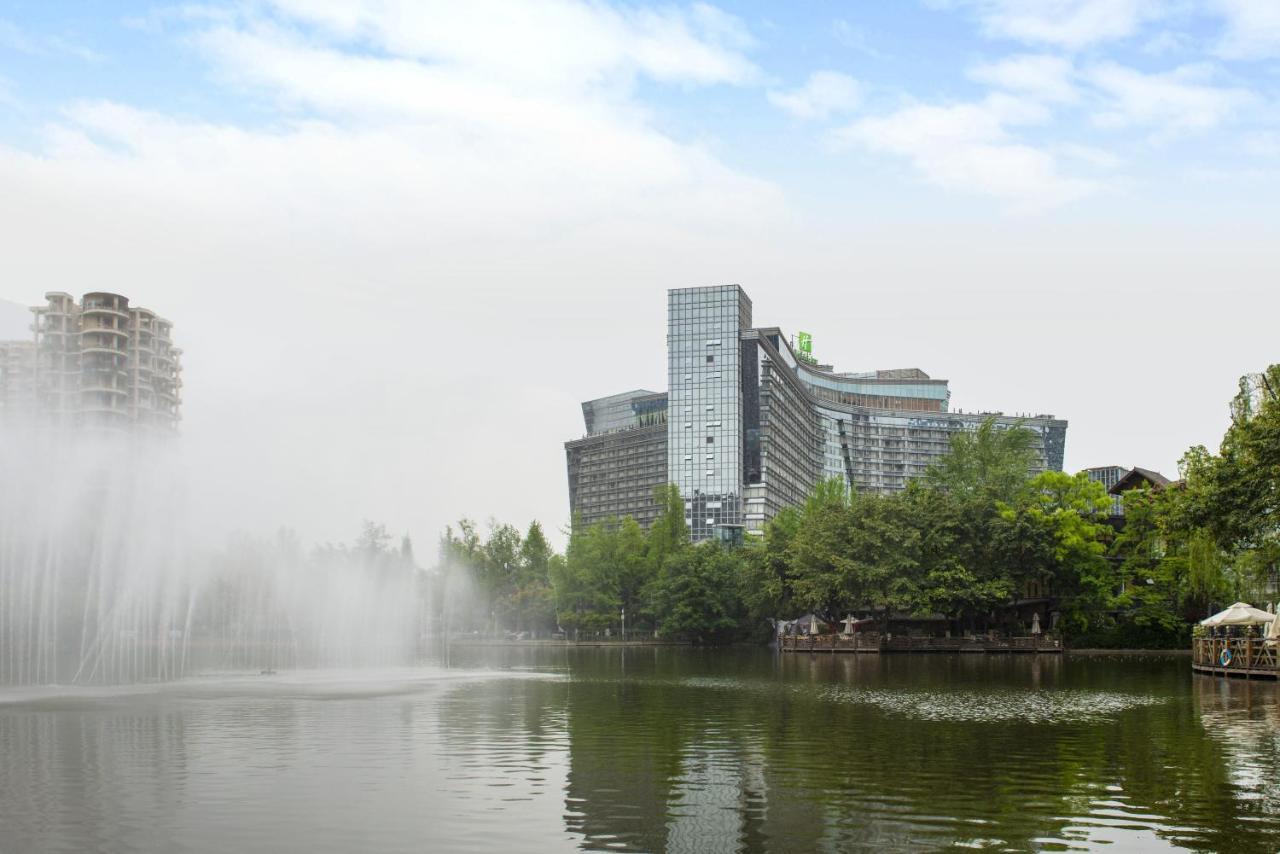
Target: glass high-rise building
{"x":705,"y":405}
{"x":753,"y":424}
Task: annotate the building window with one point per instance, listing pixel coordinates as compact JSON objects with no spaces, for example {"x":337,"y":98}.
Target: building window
{"x":710,"y":359}
{"x":711,"y":440}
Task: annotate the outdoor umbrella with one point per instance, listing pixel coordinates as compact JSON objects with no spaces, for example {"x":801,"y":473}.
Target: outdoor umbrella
{"x":1273,"y":632}
{"x":851,"y":622}
{"x":1239,"y":614}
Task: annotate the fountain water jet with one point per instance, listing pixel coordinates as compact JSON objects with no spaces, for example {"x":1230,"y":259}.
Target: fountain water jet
{"x":102,"y":579}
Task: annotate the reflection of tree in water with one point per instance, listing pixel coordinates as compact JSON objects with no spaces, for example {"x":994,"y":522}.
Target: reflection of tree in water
{"x":726,"y":752}
{"x":1244,"y":717}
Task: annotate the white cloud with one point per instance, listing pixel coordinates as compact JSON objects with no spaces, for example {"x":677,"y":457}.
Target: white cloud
{"x":823,"y":94}
{"x":1178,"y":100}
{"x":1166,"y":42}
{"x":560,"y":43}
{"x":1262,"y":144}
{"x":969,"y":148}
{"x":20,"y":40}
{"x":854,"y":38}
{"x":426,"y":197}
{"x":1039,"y":76}
{"x":1071,"y":24}
{"x":1252,"y":29}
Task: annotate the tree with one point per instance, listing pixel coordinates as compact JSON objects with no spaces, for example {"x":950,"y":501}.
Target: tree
{"x":669,"y":532}
{"x":990,"y":461}
{"x":606,"y":569}
{"x":532,"y":600}
{"x":1062,"y":516}
{"x":852,"y":552}
{"x":960,"y":574}
{"x":765,"y":583}
{"x":696,"y":594}
{"x":373,"y":541}
{"x":1235,"y":494}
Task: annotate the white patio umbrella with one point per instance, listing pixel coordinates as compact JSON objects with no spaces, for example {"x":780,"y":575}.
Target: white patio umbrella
{"x":1035,"y":623}
{"x":1239,"y":614}
{"x":1273,"y":631}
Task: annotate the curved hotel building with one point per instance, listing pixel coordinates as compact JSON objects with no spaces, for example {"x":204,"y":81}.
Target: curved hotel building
{"x":750,"y":424}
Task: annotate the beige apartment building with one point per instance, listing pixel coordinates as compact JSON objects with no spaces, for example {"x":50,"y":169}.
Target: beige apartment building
{"x":98,"y":364}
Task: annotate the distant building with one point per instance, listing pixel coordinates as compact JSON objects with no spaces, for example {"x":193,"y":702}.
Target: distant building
{"x":753,"y":423}
{"x":1121,"y":480}
{"x":17,"y":376}
{"x":94,"y":364}
{"x":615,"y":468}
{"x":1139,"y":478}
{"x":1109,"y":476}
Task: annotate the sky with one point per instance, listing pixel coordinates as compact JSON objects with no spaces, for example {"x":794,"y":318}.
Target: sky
{"x":402,"y":241}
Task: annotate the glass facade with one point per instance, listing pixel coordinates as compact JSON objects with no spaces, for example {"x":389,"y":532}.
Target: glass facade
{"x":704,"y":418}
{"x":624,"y":411}
{"x":1109,"y":476}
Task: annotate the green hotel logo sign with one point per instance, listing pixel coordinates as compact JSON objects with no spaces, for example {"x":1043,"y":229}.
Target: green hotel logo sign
{"x":804,"y":342}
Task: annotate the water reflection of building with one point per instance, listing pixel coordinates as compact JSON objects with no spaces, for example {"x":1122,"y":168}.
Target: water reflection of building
{"x":98,"y":363}
{"x":754,"y":422}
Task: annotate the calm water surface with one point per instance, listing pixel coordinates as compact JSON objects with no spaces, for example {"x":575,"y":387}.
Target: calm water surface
{"x":514,"y":750}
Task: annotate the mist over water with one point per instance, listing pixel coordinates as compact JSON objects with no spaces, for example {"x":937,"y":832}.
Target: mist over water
{"x":106,"y":577}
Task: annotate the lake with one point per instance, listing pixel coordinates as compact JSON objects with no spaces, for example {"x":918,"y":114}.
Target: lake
{"x":652,"y":749}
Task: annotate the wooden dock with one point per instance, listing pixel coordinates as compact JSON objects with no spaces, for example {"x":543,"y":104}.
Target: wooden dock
{"x":1243,"y":658}
{"x":875,"y":644}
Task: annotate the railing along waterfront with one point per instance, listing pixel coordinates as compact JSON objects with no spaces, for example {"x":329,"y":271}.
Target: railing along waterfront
{"x":874,"y":642}
{"x":1248,"y":657}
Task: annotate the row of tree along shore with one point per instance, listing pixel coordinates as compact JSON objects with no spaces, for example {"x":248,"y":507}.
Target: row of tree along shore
{"x":967,"y":542}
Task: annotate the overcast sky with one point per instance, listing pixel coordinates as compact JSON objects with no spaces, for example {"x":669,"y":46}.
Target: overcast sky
{"x":401,"y":241}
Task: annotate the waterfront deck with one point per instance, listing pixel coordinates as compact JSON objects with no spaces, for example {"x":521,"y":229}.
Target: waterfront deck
{"x":1245,"y":658}
{"x":873,"y":643}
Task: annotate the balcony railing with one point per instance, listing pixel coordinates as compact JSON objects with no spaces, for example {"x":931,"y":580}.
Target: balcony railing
{"x":1236,"y":655}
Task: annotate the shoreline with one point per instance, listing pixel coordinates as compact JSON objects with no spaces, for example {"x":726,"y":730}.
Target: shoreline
{"x":1104,"y":651}
{"x":561,"y":643}
{"x":496,"y":642}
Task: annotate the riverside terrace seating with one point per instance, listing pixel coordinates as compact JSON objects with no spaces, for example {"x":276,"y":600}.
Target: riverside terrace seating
{"x":1250,"y":658}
